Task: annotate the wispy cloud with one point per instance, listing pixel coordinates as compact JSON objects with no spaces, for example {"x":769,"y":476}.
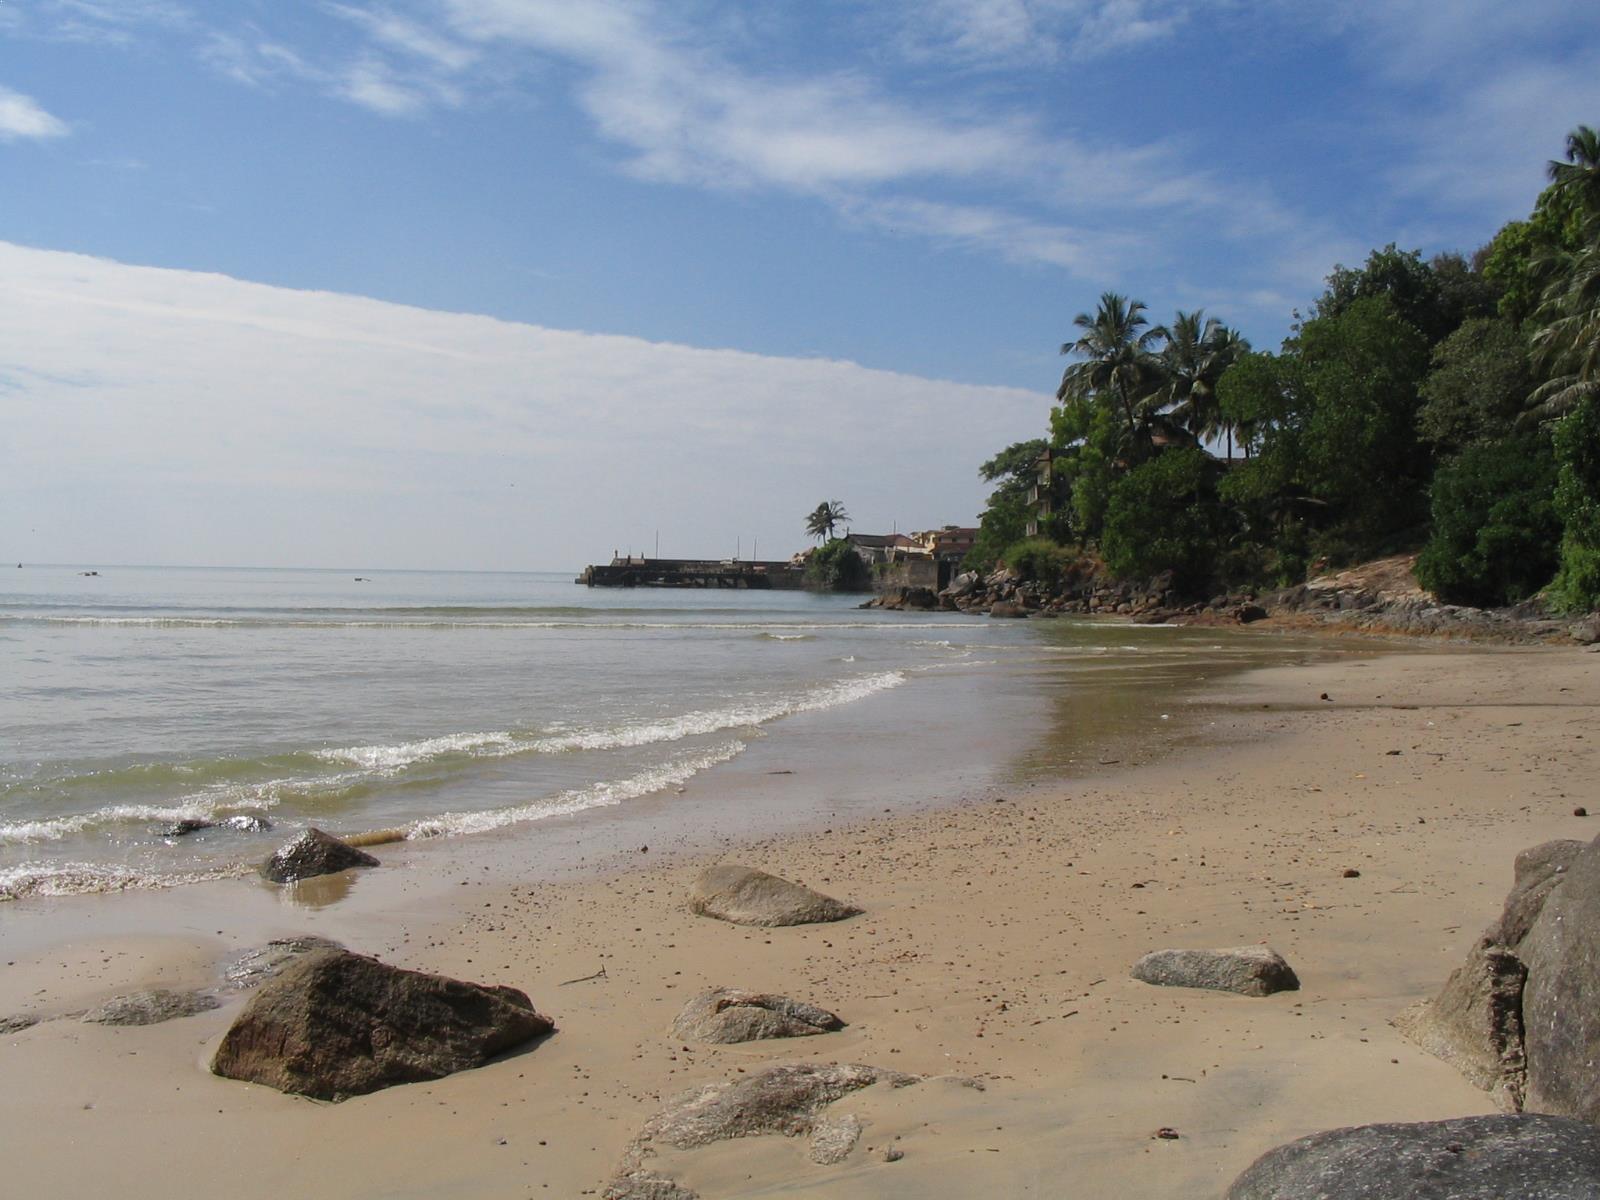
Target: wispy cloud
{"x":22,"y":118}
{"x":302,"y":423}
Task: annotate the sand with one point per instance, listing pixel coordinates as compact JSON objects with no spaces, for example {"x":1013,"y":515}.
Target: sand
{"x":996,"y":943}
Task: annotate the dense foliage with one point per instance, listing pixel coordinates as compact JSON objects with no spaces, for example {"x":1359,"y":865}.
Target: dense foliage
{"x":835,"y":566}
{"x":1451,"y":404}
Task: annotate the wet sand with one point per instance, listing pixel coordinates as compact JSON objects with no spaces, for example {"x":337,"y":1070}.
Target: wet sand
{"x":996,"y":943}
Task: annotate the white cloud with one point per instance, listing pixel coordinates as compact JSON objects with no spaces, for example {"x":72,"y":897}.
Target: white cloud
{"x":21,"y":117}
{"x":169,"y":416}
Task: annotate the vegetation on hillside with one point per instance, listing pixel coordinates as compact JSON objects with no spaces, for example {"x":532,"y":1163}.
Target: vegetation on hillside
{"x":1450,"y":404}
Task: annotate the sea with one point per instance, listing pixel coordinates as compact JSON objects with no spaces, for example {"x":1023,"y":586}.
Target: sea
{"x":161,"y":726}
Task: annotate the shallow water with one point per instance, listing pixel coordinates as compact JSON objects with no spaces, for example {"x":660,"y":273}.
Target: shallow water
{"x":451,"y":704}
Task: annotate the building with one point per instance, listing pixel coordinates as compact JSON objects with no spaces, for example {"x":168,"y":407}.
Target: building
{"x":884,"y":547}
{"x":1041,"y":496}
{"x":949,"y":543}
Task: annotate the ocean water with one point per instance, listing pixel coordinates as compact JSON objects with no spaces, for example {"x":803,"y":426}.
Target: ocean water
{"x":449,"y":705}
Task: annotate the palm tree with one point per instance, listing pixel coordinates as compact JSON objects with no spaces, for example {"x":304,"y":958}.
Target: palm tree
{"x":1567,"y":344}
{"x":821,"y":520}
{"x":1119,"y":361}
{"x":1198,"y":350}
{"x":1579,"y":176}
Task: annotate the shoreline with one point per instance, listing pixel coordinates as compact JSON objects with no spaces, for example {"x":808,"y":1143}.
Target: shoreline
{"x":981,"y":952}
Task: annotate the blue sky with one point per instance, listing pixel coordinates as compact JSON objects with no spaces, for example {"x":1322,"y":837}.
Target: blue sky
{"x":929,"y":190}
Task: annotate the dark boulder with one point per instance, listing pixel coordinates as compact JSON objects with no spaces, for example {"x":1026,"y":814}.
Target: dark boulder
{"x":725,"y":1016}
{"x":337,"y":1024}
{"x":313,"y":853}
{"x":1007,"y":608}
{"x":1469,"y":1158}
{"x":1247,"y":970}
{"x":746,"y":896}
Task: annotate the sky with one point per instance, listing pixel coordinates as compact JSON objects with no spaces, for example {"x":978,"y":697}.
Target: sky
{"x":513,"y":283}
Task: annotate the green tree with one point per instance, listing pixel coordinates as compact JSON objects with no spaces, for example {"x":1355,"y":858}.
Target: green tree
{"x":1198,"y":351}
{"x":1477,"y":386}
{"x":836,"y":567}
{"x":1333,"y":430}
{"x":1495,"y":532}
{"x":1119,"y":365}
{"x":821,"y":520}
{"x":1404,"y":278}
{"x":1577,"y":445}
{"x":1163,"y":515}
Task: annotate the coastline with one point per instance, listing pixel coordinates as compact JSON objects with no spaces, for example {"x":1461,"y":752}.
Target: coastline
{"x":996,"y":942}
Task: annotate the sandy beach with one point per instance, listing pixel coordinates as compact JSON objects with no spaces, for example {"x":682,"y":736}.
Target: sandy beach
{"x":996,"y":943}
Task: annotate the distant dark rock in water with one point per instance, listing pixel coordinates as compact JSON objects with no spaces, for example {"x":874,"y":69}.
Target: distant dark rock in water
{"x":1006,"y":608}
{"x":313,"y":853}
{"x":151,"y":1007}
{"x":728,"y":1015}
{"x":1247,"y":970}
{"x":183,"y":828}
{"x":255,"y":967}
{"x":336,"y":1024}
{"x":1469,"y":1158}
{"x":247,"y":823}
{"x":746,"y":896}
{"x":1517,"y":1017}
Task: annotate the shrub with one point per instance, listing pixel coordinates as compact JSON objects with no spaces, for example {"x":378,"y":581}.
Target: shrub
{"x":1577,"y":503}
{"x":836,"y":567}
{"x":1164,"y":516}
{"x":1039,"y":560}
{"x":1495,"y":528}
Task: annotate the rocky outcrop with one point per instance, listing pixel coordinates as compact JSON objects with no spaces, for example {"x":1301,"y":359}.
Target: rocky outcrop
{"x":151,"y":1007}
{"x":1516,"y":1017}
{"x":747,"y":896}
{"x":1470,"y":1158}
{"x":337,"y":1024}
{"x":788,"y":1099}
{"x":1247,"y":970}
{"x":17,"y":1022}
{"x":727,"y":1015}
{"x":313,"y":853}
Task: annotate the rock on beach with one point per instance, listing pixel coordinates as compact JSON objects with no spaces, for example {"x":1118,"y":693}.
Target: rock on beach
{"x":313,"y":853}
{"x":746,"y":896}
{"x":1468,"y":1158}
{"x":728,"y":1015}
{"x":336,"y":1024}
{"x":151,"y":1007}
{"x":1247,"y":970}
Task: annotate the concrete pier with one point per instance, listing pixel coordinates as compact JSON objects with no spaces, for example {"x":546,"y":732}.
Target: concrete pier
{"x":692,"y":573}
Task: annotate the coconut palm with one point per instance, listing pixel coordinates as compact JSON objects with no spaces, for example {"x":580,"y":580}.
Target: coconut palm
{"x":1118,"y":362}
{"x":1579,"y":175}
{"x":1198,"y":350}
{"x":821,"y":520}
{"x":1566,"y":346}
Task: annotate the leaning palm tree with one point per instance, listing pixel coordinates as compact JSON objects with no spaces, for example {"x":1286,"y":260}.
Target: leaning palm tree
{"x":1198,"y":350}
{"x":821,"y":520}
{"x":1118,"y":362}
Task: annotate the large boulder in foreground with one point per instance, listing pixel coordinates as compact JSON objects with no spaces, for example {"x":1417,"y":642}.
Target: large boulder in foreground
{"x":337,"y":1024}
{"x":1521,"y":1017}
{"x":313,"y":853}
{"x":727,"y":1015}
{"x":747,"y":896}
{"x":1247,"y":970}
{"x":1470,"y":1158}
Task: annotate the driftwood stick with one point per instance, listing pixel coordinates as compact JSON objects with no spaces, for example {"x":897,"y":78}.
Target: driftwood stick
{"x":600,"y":974}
